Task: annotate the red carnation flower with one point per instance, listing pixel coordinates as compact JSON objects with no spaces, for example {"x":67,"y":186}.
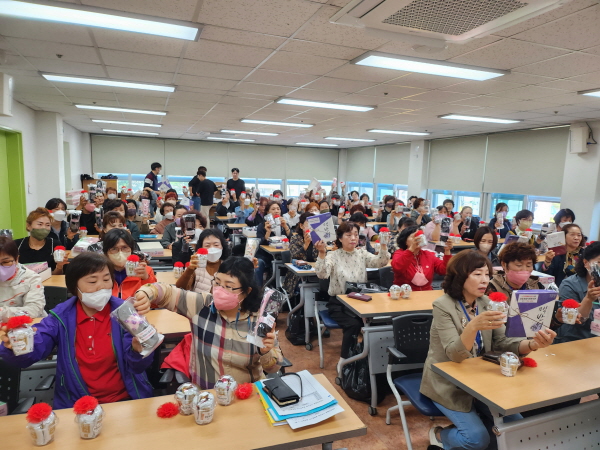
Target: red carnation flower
{"x":18,"y":321}
{"x":134,"y":258}
{"x":59,"y":247}
{"x":384,"y":229}
{"x":498,"y":297}
{"x":569,"y":303}
{"x":39,"y":412}
{"x":178,"y":264}
{"x":244,"y":391}
{"x":202,"y":251}
{"x":529,"y":362}
{"x":167,"y":410}
{"x":85,"y":405}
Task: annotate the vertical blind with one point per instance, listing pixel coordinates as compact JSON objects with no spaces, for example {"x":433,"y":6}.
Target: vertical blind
{"x":391,"y":163}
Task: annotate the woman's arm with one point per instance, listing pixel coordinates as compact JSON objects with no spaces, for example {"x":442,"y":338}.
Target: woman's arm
{"x":379,"y":260}
{"x":164,"y":295}
{"x":33,"y":300}
{"x":451,"y":341}
{"x":439,"y":265}
{"x":402,"y":260}
{"x":187,"y":279}
{"x":297,"y":250}
{"x":324,"y":265}
{"x":168,"y":238}
{"x":44,"y":341}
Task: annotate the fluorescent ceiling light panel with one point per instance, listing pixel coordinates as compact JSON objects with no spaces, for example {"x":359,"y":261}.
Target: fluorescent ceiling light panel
{"x":412,"y":133}
{"x":478,"y":119}
{"x":107,"y":82}
{"x":329,"y":105}
{"x":249,"y":132}
{"x":131,"y":132}
{"x":349,"y":139}
{"x":428,"y":66}
{"x":590,"y":93}
{"x":123,"y":110}
{"x":115,"y":122}
{"x":229,"y":139}
{"x":311,"y":144}
{"x":281,"y":124}
{"x":547,"y":128}
{"x":99,"y":17}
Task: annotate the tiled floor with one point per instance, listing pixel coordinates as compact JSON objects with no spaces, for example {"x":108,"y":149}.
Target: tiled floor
{"x":379,"y":435}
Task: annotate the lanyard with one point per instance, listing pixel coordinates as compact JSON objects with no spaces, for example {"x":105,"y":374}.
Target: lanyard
{"x":478,"y":338}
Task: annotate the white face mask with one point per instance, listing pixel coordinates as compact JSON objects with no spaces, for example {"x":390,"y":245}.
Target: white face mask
{"x":197,"y":232}
{"x":169,"y":216}
{"x":336,"y":202}
{"x":96,"y":300}
{"x":247,"y":202}
{"x":59,"y":215}
{"x":292,"y":208}
{"x":214,"y":254}
{"x":564,"y":224}
{"x":362,"y":231}
{"x":119,"y":259}
{"x":485,"y":248}
{"x":112,"y":196}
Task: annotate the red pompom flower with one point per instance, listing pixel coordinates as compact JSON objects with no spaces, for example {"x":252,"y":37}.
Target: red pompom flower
{"x":85,"y":405}
{"x":18,"y":321}
{"x":59,"y":247}
{"x":498,"y":297}
{"x":167,"y":410}
{"x":133,"y":258}
{"x":202,"y":251}
{"x":419,"y":233}
{"x":244,"y":391}
{"x":569,"y":303}
{"x":38,"y":412}
{"x":178,"y":264}
{"x":384,"y":229}
{"x":529,"y":362}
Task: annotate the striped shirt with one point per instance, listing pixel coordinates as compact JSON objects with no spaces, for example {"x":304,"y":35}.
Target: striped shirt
{"x":219,"y":347}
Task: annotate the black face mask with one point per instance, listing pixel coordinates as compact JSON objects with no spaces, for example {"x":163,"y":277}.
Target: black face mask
{"x":131,"y":212}
{"x":389,"y":205}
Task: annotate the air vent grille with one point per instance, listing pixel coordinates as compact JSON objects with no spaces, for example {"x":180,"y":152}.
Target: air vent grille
{"x":451,"y":17}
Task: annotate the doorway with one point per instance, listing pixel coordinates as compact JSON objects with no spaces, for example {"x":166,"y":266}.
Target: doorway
{"x":13,"y":209}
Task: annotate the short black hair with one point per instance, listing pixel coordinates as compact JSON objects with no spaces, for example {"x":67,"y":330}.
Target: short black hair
{"x":345,"y":227}
{"x":219,"y":235}
{"x":459,"y":268}
{"x":518,"y":251}
{"x":411,"y":197}
{"x":448,"y":200}
{"x":523,"y":214}
{"x":408,"y":221}
{"x":235,"y":169}
{"x":155,"y":166}
{"x":404,"y":235}
{"x":178,"y":207}
{"x":323,"y":201}
{"x":365,"y":195}
{"x":131,"y":201}
{"x":85,"y":264}
{"x":278,"y":192}
{"x":481,"y":232}
{"x":8,"y":247}
{"x":590,"y":252}
{"x":500,"y":206}
{"x":243,"y":269}
{"x":113,"y":237}
{"x":202,"y":173}
{"x":110,"y":205}
{"x":168,"y":205}
{"x":562,"y":213}
{"x":301,"y":221}
{"x":358,"y":217}
{"x":53,"y":204}
{"x":352,"y":192}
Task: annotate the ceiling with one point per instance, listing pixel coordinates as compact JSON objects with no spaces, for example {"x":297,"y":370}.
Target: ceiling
{"x":251,"y":52}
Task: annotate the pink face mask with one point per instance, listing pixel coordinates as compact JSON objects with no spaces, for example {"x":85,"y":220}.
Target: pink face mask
{"x":517,"y":277}
{"x":90,"y":207}
{"x":224,"y":300}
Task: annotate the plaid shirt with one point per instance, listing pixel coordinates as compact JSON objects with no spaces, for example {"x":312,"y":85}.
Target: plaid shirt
{"x":219,"y":347}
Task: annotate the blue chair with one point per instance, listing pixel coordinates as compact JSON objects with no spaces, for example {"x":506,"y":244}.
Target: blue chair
{"x":324,"y":321}
{"x":411,"y":344}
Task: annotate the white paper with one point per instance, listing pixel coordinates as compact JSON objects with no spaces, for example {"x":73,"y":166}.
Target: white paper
{"x":311,"y":419}
{"x":556,"y":239}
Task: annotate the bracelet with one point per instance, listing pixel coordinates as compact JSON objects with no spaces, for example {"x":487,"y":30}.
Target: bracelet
{"x":530,"y":349}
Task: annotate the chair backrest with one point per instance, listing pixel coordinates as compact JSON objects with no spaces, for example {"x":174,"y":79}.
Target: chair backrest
{"x":386,"y":277}
{"x":10,"y":379}
{"x":54,"y":295}
{"x":411,"y":336}
{"x":286,"y":257}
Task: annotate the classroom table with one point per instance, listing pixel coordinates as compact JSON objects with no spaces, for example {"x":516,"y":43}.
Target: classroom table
{"x":565,"y":372}
{"x":372,"y":224}
{"x":134,"y":424}
{"x":166,"y":277}
{"x":225,"y":218}
{"x":55,"y":281}
{"x":277,"y":262}
{"x":308,"y":281}
{"x":233,"y":227}
{"x":154,"y":238}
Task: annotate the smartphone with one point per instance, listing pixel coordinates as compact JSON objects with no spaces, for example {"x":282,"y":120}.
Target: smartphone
{"x":362,"y":297}
{"x":595,"y":273}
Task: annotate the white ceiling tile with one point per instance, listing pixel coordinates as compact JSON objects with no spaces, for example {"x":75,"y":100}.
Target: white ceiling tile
{"x":235,"y":36}
{"x":173,"y":9}
{"x":367,"y":100}
{"x":263,"y":89}
{"x":507,"y":54}
{"x":391,"y":91}
{"x":362,"y":73}
{"x":452,"y":50}
{"x":339,"y":85}
{"x":571,"y":85}
{"x":242,"y":101}
{"x":441,"y":96}
{"x":594,"y":114}
{"x":127,"y":98}
{"x":573,"y":99}
{"x":484,"y":101}
{"x":408,"y":104}
{"x":50,"y":50}
{"x":67,"y":67}
{"x":138,"y":60}
{"x":528,"y":105}
{"x":207,"y":69}
{"x":320,"y":49}
{"x":138,"y":43}
{"x":312,"y":94}
{"x":566,"y":66}
{"x":204,"y":82}
{"x":74,"y":94}
{"x":302,"y":63}
{"x":525,"y":78}
{"x":420,"y":80}
{"x":280,"y":78}
{"x":484,"y":87}
{"x":224,"y":53}
{"x":145,"y":76}
{"x":592,"y":78}
{"x":45,"y":31}
{"x":565,"y":110}
{"x":531,"y":92}
{"x":279,"y":17}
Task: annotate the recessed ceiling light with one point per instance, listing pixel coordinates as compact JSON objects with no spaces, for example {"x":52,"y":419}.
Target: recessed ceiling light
{"x":101,"y":18}
{"x":229,"y":139}
{"x":282,"y":124}
{"x":590,"y":92}
{"x":108,"y":82}
{"x":547,"y":128}
{"x":311,"y":104}
{"x":123,"y":110}
{"x":412,"y":133}
{"x":428,"y":66}
{"x":349,"y":139}
{"x":131,"y":132}
{"x":312,"y":144}
{"x":478,"y":119}
{"x":249,"y":132}
{"x":155,"y":125}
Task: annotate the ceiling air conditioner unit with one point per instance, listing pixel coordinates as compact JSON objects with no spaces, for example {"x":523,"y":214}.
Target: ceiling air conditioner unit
{"x":439,"y":22}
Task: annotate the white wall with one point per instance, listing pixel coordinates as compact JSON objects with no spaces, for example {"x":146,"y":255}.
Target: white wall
{"x":81,"y":155}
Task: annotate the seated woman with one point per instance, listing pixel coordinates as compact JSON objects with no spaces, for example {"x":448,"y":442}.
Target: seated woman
{"x":354,"y":199}
{"x":388,"y":208}
{"x":111,"y":220}
{"x":420,"y":213}
{"x":563,"y":218}
{"x":21,"y":289}
{"x":227,"y":204}
{"x":265,"y":231}
{"x":580,"y":287}
{"x":280,"y":200}
{"x":336,"y":202}
{"x":118,"y":246}
{"x":462,"y":328}
{"x":524,"y":220}
{"x":244,"y":210}
{"x":104,"y":360}
{"x":517,"y":260}
{"x":220,"y":323}
{"x":169,"y":234}
{"x":364,"y":231}
{"x":59,"y":227}
{"x":433,"y":229}
{"x":127,"y":210}
{"x":258,"y":215}
{"x":183,"y":253}
{"x":364,"y":199}
{"x":562,"y":266}
{"x":449,"y":205}
{"x":313,"y":207}
{"x":486,"y":241}
{"x":467,"y":227}
{"x":414,"y":266}
{"x":301,"y":247}
{"x":500,"y":226}
{"x":142,"y":222}
{"x":167,"y":213}
{"x":38,"y":247}
{"x":88,"y":216}
{"x":347,"y":263}
{"x":292,"y":217}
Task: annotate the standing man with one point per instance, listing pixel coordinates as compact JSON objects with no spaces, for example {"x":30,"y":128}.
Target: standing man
{"x":203,"y":192}
{"x":151,"y":180}
{"x":193,"y":185}
{"x":236,"y":183}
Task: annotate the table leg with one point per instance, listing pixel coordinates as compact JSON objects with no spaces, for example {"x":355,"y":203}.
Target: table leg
{"x":275,"y":263}
{"x":298,"y":306}
{"x":329,"y":446}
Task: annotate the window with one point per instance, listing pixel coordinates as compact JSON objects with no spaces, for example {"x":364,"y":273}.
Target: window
{"x":137,"y":182}
{"x":544,"y":208}
{"x":178,"y":182}
{"x":383,"y":190}
{"x":472,"y":199}
{"x":296,"y":187}
{"x":438,"y":197}
{"x":401,"y":192}
{"x":266,"y":186}
{"x":514,"y":202}
{"x":362,"y":188}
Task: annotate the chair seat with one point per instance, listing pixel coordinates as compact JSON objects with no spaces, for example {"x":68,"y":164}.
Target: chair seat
{"x":409,"y":385}
{"x":327,"y":320}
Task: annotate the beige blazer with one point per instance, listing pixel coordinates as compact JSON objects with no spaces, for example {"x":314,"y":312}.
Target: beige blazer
{"x":445,"y":345}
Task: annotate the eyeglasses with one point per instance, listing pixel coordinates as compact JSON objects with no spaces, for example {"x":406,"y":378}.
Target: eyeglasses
{"x":574,"y":235}
{"x":115,"y":250}
{"x":215,"y":283}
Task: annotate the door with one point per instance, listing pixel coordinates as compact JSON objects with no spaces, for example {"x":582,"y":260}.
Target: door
{"x":13,"y":209}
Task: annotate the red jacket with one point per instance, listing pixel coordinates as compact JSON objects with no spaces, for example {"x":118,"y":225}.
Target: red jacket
{"x":131,"y":284}
{"x":404,"y":265}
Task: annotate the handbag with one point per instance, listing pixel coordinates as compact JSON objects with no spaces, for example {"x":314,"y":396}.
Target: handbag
{"x":279,"y":391}
{"x":364,"y":288}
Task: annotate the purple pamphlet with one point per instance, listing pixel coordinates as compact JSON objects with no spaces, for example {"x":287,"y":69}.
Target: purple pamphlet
{"x":530,"y":311}
{"x":321,"y":228}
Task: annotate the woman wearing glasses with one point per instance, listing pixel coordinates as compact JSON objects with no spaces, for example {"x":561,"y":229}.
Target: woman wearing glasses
{"x":562,"y":266}
{"x":220,"y":323}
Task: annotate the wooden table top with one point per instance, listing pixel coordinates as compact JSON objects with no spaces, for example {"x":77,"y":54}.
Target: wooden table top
{"x":382,"y":304}
{"x":236,"y":226}
{"x":134,"y":424}
{"x":171,"y":324}
{"x":372,"y":224}
{"x":55,"y":281}
{"x":272,"y":250}
{"x":564,"y":372}
{"x":224,"y":218}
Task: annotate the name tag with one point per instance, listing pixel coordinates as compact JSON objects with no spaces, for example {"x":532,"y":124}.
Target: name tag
{"x":527,"y":298}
